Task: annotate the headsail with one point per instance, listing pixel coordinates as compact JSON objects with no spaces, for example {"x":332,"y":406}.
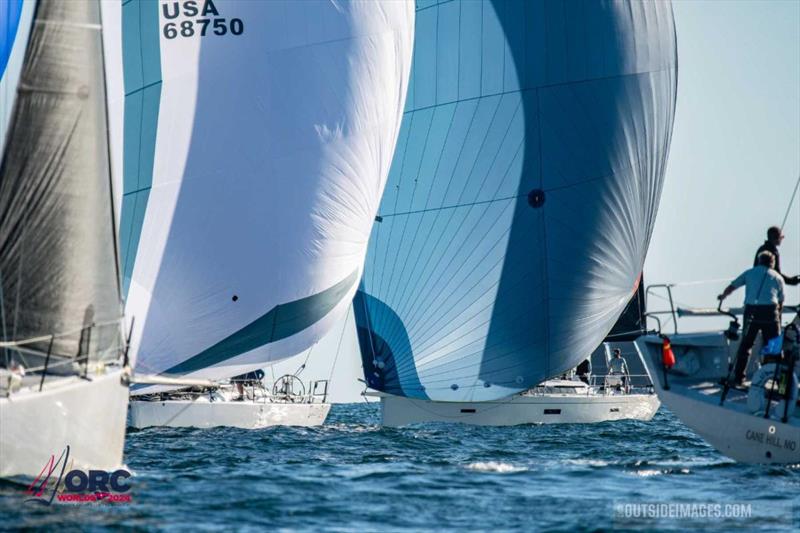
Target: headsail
{"x":258,"y":139}
{"x":522,"y":195}
{"x":58,"y":268}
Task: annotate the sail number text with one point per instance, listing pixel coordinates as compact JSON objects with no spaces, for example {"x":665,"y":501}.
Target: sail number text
{"x":205,"y":20}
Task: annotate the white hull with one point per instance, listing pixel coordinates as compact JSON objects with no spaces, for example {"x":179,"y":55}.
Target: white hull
{"x":730,"y":429}
{"x":521,"y":409}
{"x":742,"y":437}
{"x":87,"y":416}
{"x":201,"y":413}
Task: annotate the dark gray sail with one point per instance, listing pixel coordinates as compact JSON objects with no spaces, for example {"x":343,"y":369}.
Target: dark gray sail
{"x":58,"y":265}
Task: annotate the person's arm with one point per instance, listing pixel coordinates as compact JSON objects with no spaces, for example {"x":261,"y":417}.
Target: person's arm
{"x":728,"y":290}
{"x":735,"y":284}
{"x":790,"y":280}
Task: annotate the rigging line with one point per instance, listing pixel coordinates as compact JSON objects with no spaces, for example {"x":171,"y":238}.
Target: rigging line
{"x":378,"y":225}
{"x":376,"y":409}
{"x":396,"y":199}
{"x":676,"y":302}
{"x":421,"y":287}
{"x":791,"y":202}
{"x":454,"y":206}
{"x":413,"y":194}
{"x":339,"y":346}
{"x":446,"y":207}
{"x":447,"y":189}
{"x":622,"y":334}
{"x":701,"y":282}
{"x":303,"y":366}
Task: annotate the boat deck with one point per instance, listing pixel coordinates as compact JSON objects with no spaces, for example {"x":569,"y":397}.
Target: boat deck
{"x":711,"y":392}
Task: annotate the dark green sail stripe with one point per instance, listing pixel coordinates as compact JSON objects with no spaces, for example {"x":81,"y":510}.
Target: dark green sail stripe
{"x":141,"y":56}
{"x":281,"y":322}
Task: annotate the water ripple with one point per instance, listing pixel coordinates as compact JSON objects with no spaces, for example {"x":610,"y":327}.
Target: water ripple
{"x":352,"y":474}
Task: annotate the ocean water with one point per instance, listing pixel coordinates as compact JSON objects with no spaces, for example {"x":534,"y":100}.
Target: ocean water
{"x":353,"y":475}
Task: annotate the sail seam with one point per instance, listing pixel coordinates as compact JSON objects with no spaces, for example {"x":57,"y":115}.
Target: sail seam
{"x":549,"y":86}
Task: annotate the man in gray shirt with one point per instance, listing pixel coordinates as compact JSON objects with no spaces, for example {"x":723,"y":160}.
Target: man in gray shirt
{"x":763,"y":300}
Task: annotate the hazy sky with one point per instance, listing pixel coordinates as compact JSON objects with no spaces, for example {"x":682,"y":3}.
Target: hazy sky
{"x":735,"y":153}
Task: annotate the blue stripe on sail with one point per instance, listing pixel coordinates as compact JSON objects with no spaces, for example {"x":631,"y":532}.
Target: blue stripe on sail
{"x":142,"y":72}
{"x":388,"y":367}
{"x":281,"y":322}
{"x":10,"y":13}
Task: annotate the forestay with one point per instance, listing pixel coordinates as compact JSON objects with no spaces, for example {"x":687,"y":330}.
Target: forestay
{"x":258,"y":138}
{"x":522,"y":195}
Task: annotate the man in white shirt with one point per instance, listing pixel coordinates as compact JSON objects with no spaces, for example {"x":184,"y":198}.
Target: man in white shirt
{"x":619,"y":367}
{"x":763,"y":300}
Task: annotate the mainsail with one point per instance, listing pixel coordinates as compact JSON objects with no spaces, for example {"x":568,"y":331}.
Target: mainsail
{"x":58,"y":267}
{"x":258,"y":138}
{"x":522,"y":195}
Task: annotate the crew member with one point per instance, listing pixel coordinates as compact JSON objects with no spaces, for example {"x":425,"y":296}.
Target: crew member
{"x":774,"y":239}
{"x":618,"y":366}
{"x":250,"y":378}
{"x":584,"y":370}
{"x":764,"y":290}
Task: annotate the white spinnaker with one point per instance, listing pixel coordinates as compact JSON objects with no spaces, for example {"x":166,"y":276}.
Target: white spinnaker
{"x":271,"y":151}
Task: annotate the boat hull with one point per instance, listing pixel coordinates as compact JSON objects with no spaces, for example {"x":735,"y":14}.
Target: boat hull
{"x":86,"y":415}
{"x":201,"y":413}
{"x":742,"y":436}
{"x":521,"y":409}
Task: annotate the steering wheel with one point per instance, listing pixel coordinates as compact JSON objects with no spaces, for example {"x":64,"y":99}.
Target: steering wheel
{"x":732,"y":333}
{"x":288,"y":387}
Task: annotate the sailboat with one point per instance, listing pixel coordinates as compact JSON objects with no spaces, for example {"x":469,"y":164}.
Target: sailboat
{"x":63,"y":380}
{"x":692,"y":370}
{"x":255,"y":155}
{"x":520,"y":203}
